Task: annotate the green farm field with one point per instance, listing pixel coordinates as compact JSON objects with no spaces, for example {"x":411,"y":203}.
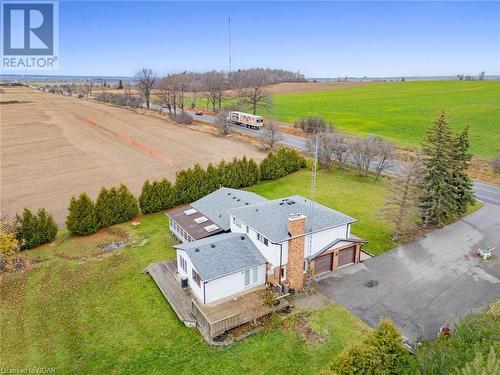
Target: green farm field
{"x":402,"y":111}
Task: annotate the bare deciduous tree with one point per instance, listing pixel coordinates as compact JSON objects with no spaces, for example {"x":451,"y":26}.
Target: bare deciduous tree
{"x":252,"y":92}
{"x":222,"y":124}
{"x":363,"y":153}
{"x":324,"y":142}
{"x":271,"y":135}
{"x":312,"y":124}
{"x":340,"y":149}
{"x":145,"y":81}
{"x":215,"y":83}
{"x":385,"y":151}
{"x":401,"y":207}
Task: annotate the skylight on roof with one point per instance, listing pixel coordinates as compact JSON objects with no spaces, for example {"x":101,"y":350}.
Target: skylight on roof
{"x":190,"y":211}
{"x":211,"y":228}
{"x":200,"y":219}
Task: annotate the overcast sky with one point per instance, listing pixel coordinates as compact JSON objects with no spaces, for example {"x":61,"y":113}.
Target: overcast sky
{"x":325,"y":39}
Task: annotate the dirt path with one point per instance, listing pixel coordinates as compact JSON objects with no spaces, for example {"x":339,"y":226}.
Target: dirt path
{"x":54,"y":147}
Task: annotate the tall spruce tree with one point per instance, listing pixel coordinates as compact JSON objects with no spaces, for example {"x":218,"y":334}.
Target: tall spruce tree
{"x":438,"y":195}
{"x":460,"y":158}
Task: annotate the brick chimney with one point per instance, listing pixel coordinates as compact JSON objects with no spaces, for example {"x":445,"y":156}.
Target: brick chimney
{"x":295,"y":267}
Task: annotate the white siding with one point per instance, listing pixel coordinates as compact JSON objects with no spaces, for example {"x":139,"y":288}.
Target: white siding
{"x":323,"y":238}
{"x":198,"y":290}
{"x":271,"y":252}
{"x":231,"y":284}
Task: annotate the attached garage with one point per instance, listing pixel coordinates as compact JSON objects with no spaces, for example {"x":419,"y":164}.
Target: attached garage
{"x":324,"y":263}
{"x":347,"y":256}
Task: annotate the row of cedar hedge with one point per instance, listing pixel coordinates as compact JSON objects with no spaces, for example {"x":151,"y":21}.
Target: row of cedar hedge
{"x":117,"y":204}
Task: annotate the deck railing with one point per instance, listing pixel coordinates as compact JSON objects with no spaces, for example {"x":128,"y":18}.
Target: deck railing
{"x":220,"y":326}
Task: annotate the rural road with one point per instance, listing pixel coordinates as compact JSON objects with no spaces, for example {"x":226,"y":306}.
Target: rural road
{"x":484,"y":192}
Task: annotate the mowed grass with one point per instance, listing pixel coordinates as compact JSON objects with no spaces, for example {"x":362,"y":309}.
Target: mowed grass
{"x":344,"y":191}
{"x":402,"y":111}
{"x":83,"y":312}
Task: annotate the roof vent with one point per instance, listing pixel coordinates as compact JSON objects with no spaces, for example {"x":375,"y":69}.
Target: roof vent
{"x":238,"y":199}
{"x":281,"y":203}
{"x":229,"y":193}
{"x":234,"y":197}
{"x":242,"y":237}
{"x":212,"y":245}
{"x":246,"y":203}
{"x":256,"y":210}
{"x":196,"y":250}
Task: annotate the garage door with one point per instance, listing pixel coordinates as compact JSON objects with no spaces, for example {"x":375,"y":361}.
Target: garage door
{"x":346,"y":256}
{"x":324,"y":263}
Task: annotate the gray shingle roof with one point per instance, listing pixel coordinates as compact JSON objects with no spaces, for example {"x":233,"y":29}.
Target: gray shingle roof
{"x":333,"y":243}
{"x":271,"y":218}
{"x":222,"y":254}
{"x":215,"y":205}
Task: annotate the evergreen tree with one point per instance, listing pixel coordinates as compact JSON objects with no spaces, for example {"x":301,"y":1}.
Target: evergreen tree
{"x":165,"y":194}
{"x":33,"y":230}
{"x":147,"y":198}
{"x":125,"y":205}
{"x":82,"y":218}
{"x":105,"y":207}
{"x":212,"y":180}
{"x":460,"y":164}
{"x":438,"y":196}
{"x":120,"y":85}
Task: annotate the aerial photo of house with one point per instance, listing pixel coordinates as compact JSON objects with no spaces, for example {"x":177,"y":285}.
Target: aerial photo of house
{"x":234,"y":242}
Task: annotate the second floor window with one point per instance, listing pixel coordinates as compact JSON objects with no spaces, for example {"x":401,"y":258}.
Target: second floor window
{"x":236,"y":222}
{"x":262,"y":239}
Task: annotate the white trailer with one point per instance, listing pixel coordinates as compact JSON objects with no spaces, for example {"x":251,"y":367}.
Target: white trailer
{"x":245,"y":119}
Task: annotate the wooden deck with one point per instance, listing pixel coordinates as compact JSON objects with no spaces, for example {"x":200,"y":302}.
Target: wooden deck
{"x":211,"y":319}
{"x":163,"y":274}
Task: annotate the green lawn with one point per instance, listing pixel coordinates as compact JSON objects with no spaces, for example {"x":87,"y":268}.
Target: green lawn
{"x":344,"y":191}
{"x":402,"y":111}
{"x":82,"y":312}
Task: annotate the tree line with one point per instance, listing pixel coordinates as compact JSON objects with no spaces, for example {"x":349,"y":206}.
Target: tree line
{"x":249,"y":86}
{"x":117,"y":204}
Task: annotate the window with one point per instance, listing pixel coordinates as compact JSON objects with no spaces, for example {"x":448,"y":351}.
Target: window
{"x":200,"y":219}
{"x":183,"y":263}
{"x":262,"y":239}
{"x":251,"y":276}
{"x":196,"y":278}
{"x":211,"y":228}
{"x":283,"y":273}
{"x":190,"y":211}
{"x":236,"y":222}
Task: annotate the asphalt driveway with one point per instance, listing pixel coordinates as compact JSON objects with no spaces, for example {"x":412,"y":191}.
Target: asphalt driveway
{"x":421,"y":285}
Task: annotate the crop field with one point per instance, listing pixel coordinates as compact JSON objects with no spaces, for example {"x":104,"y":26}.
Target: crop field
{"x":402,"y":111}
{"x":54,"y":147}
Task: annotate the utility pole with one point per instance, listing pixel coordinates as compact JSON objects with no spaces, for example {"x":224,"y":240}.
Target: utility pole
{"x":313,"y":198}
{"x":229,"y":39}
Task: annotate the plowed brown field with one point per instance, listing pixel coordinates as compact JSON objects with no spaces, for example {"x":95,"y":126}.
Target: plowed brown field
{"x":54,"y":147}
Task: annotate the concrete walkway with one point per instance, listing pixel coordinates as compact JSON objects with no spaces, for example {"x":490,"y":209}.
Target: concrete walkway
{"x":421,"y":285}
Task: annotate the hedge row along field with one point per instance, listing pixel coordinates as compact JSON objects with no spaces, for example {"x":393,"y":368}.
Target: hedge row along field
{"x":118,"y":205}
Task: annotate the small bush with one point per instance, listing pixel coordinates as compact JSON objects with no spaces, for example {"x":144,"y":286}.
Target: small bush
{"x":181,"y":118}
{"x":82,"y":218}
{"x":312,"y":124}
{"x":381,"y":353}
{"x":33,"y":230}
